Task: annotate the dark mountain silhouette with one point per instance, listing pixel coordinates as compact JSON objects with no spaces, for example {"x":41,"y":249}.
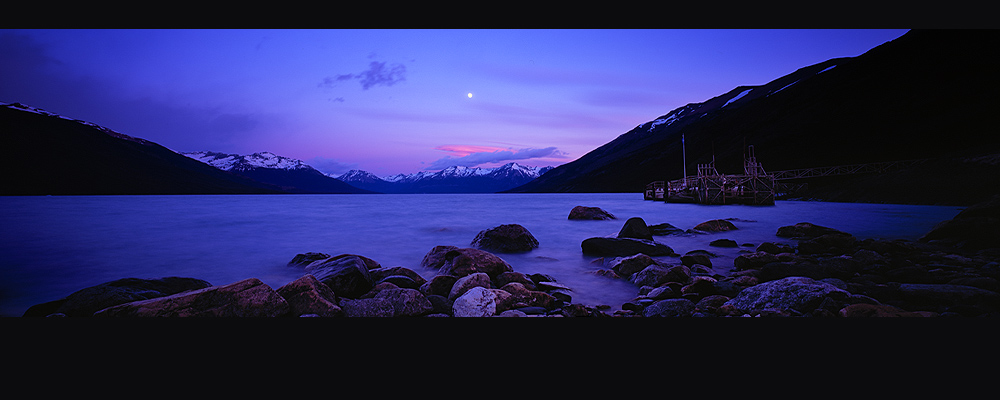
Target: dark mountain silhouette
{"x":927,"y":94}
{"x":46,"y":154}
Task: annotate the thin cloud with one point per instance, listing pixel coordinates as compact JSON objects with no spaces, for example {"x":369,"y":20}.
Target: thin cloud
{"x":377,"y":74}
{"x":472,"y":156}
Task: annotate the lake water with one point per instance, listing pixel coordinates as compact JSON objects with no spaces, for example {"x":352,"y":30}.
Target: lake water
{"x":52,"y":246}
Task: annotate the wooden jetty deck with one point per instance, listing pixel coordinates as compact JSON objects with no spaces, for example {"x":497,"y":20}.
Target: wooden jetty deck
{"x":754,"y":187}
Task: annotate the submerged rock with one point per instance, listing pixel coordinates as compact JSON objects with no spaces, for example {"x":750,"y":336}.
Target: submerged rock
{"x":590,"y":213}
{"x":715,"y":225}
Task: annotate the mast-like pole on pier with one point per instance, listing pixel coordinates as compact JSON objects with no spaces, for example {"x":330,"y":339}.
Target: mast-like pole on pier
{"x":684,"y":160}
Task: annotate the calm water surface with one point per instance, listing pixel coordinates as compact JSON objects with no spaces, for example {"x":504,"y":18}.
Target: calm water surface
{"x":52,"y":246}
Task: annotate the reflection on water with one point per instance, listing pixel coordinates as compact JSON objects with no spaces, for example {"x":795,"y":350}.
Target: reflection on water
{"x":52,"y":246}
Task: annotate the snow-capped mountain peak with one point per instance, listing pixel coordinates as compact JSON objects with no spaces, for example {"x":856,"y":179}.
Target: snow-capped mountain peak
{"x":453,"y":179}
{"x":236,"y":162}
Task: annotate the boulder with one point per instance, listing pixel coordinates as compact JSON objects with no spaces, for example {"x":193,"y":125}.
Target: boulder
{"x":510,"y":238}
{"x":439,"y":285}
{"x":864,"y":310}
{"x":775,"y":248}
{"x":589,"y":213}
{"x":348,"y":275}
{"x":715,"y":225}
{"x":465,"y":283}
{"x":805,"y":230}
{"x":939,"y":296}
{"x":604,"y":246}
{"x":307,"y":295}
{"x":792,"y":293}
{"x":626,"y":266}
{"x":85,"y":302}
{"x":369,"y":307}
{"x":974,"y":228}
{"x":406,"y":302}
{"x":462,"y":262}
{"x":670,"y":308}
{"x":831,"y":243}
{"x":477,"y":302}
{"x":439,"y":304}
{"x":723,"y":243}
{"x":529,"y":298}
{"x":383,"y":273}
{"x":664,"y":229}
{"x":783,"y":269}
{"x":434,"y":259}
{"x":246,"y":298}
{"x":692,"y":259}
{"x":635,"y":228}
{"x":753,"y":260}
{"x":304,"y":259}
{"x":656,"y":275}
{"x":513,"y":276}
{"x":711,"y":303}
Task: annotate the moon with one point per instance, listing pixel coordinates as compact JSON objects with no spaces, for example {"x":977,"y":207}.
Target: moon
{"x":470,"y":95}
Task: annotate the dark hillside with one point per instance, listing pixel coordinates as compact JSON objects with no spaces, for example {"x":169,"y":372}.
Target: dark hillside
{"x":49,"y":155}
{"x":927,"y":94}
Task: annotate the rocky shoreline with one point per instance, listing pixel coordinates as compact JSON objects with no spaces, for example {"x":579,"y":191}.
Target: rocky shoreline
{"x":953,"y":271}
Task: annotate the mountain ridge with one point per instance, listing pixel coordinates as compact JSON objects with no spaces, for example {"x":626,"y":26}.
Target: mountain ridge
{"x":926,"y":94}
{"x":44,"y":153}
{"x":454,"y":179}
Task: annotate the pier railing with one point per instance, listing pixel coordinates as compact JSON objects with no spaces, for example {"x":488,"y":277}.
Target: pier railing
{"x":755,"y":186}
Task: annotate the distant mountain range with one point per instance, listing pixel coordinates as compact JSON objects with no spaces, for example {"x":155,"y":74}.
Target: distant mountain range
{"x":454,"y":179}
{"x":289,"y":174}
{"x":929,"y":94}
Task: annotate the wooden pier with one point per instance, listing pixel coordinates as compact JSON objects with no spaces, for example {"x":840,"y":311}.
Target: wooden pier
{"x":754,"y":187}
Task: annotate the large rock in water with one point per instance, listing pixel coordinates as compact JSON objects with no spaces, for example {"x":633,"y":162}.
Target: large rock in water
{"x":462,"y":262}
{"x":435,"y":259}
{"x":509,"y":238}
{"x":621,"y":247}
{"x":715,"y":225}
{"x":85,"y":302}
{"x":304,"y":259}
{"x":796,"y":293}
{"x":595,"y":213}
{"x":975,"y":228}
{"x":346,"y":274}
{"x":246,"y":298}
{"x":635,"y":228}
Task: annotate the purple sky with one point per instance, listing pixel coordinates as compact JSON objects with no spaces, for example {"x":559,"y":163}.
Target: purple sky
{"x":397,"y":101}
